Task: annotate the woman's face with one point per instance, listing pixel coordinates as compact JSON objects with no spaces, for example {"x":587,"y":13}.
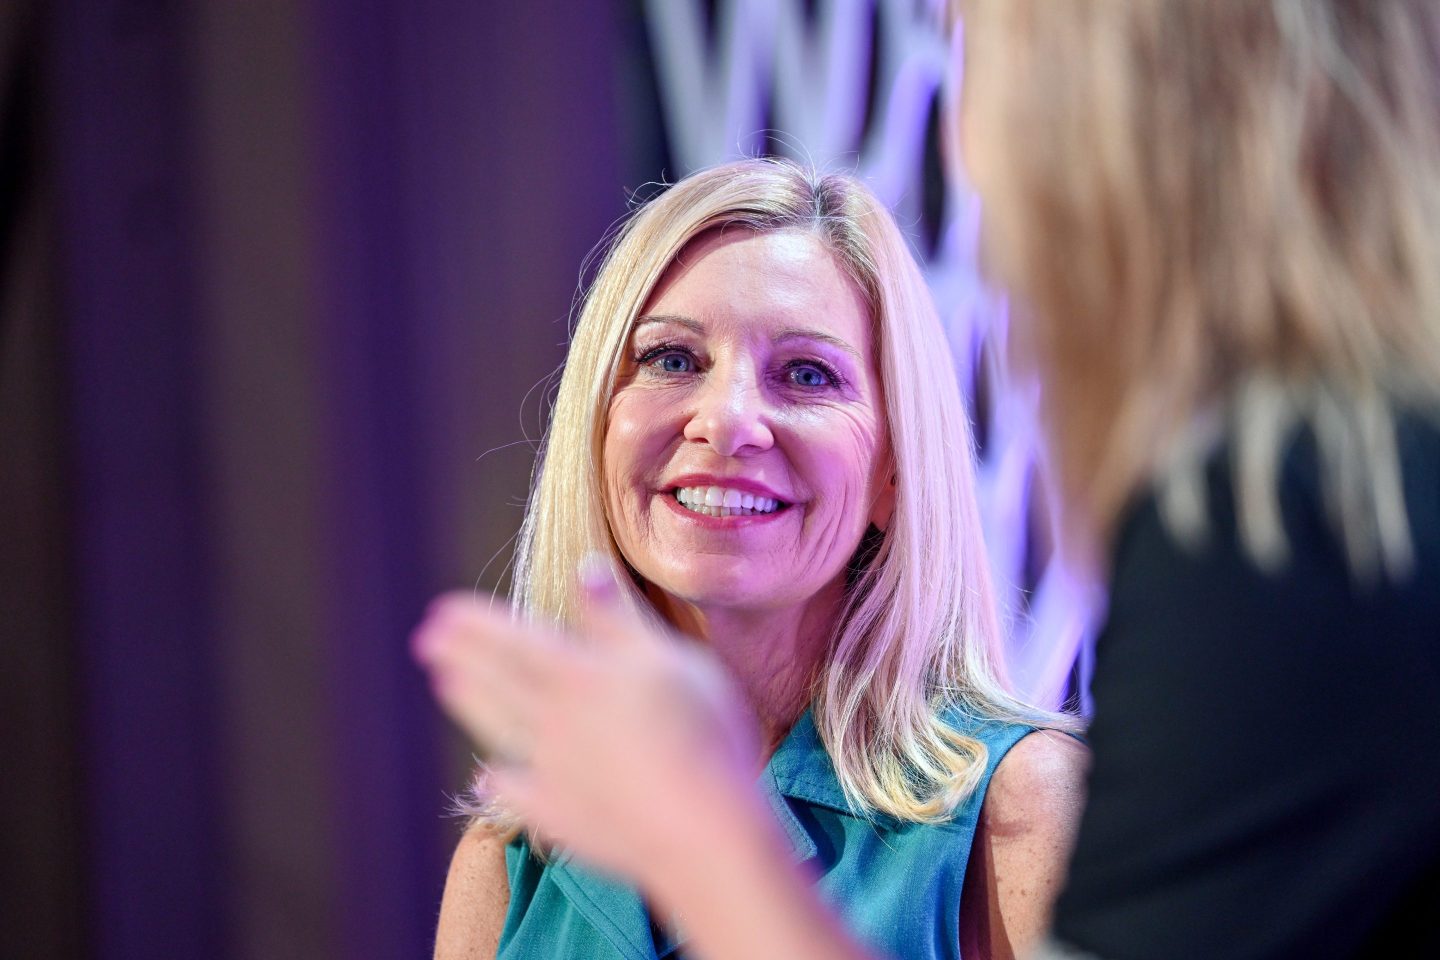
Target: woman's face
{"x":745,"y":450}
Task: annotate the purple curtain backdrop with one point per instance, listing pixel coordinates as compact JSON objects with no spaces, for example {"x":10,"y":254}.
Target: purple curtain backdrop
{"x":307,"y":261}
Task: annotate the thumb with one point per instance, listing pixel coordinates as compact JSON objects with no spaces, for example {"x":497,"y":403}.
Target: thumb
{"x":604,"y":615}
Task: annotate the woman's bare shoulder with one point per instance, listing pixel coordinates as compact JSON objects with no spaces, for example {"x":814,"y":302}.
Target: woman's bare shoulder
{"x":477,"y":894}
{"x":1038,"y":785}
{"x":1023,"y":842}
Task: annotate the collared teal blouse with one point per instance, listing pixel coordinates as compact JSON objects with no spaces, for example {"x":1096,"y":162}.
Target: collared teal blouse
{"x":896,"y":885}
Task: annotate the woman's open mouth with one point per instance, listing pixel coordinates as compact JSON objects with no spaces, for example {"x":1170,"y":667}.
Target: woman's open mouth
{"x":725,"y":502}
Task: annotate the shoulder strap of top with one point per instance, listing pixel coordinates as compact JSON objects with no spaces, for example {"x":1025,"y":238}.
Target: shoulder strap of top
{"x":997,"y":736}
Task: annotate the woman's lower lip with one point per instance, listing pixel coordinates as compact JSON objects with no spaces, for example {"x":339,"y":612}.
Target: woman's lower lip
{"x":718,"y":523}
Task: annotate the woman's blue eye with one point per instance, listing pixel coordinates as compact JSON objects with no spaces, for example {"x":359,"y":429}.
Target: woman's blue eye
{"x":666,"y":358}
{"x":809,"y":375}
{"x":673,"y":363}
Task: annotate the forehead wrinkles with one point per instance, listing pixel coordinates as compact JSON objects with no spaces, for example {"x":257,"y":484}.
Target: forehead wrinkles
{"x":787,"y":281}
{"x":788,"y":250}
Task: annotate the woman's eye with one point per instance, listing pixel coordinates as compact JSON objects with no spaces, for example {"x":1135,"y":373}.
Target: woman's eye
{"x":666,"y":359}
{"x":810,"y":375}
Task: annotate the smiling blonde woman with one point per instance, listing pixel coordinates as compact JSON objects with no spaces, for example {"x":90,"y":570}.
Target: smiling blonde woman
{"x":759,"y":424}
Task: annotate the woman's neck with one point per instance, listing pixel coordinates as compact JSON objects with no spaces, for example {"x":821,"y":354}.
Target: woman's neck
{"x":774,"y":655}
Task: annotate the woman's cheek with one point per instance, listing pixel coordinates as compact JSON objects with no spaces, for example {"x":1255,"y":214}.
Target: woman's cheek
{"x":842,"y":441}
{"x":624,"y":438}
{"x":640,"y":414}
{"x":635,"y":441}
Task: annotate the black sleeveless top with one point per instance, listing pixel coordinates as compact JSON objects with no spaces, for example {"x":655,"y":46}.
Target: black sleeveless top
{"x":1266,"y":778}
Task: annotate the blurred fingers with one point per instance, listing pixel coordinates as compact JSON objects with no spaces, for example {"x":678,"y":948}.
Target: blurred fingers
{"x":487,"y":638}
{"x":604,"y":615}
{"x":487,"y":672}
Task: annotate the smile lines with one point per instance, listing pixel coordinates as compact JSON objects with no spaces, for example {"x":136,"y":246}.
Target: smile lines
{"x":723,"y":502}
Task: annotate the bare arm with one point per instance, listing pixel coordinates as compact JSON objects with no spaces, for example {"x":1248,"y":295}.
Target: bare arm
{"x":477,"y":893}
{"x":1022,"y":846}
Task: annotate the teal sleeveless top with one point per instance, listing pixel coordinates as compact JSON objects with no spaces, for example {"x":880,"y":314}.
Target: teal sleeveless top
{"x":896,"y":885}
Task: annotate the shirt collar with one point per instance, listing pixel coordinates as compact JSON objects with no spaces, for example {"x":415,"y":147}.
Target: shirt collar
{"x":800,"y":769}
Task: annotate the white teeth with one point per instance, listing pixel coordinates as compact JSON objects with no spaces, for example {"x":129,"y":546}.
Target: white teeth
{"x":724,"y":502}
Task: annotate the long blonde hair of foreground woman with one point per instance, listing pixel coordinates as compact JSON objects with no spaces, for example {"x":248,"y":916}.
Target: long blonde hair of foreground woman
{"x":1229,"y":224}
{"x":920,"y":632}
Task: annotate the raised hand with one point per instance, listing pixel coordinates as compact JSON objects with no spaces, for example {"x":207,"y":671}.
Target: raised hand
{"x":619,"y":741}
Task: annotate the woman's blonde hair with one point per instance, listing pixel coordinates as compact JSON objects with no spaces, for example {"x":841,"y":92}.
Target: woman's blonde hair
{"x":919,"y":635}
{"x":1217,"y":218}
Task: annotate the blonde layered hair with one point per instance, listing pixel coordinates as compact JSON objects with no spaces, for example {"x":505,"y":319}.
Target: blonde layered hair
{"x":1218,"y":218}
{"x":919,"y":635}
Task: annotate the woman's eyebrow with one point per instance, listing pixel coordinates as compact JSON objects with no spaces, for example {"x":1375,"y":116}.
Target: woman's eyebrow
{"x":689,"y":322}
{"x":794,"y":333}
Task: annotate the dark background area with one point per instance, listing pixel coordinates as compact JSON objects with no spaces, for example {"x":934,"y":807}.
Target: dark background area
{"x":275,"y":278}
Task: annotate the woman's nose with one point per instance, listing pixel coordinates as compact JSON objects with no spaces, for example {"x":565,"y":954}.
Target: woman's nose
{"x":731,"y":414}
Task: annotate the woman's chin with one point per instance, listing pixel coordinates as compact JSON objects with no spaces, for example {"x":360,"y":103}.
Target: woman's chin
{"x":733,"y":584}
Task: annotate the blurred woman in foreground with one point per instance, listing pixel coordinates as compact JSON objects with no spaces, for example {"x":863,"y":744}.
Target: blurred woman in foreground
{"x":760,"y":425}
{"x":1220,"y":223}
